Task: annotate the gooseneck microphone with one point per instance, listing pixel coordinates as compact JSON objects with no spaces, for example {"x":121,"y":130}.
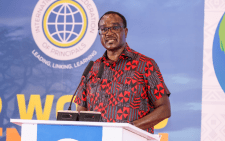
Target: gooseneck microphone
{"x":86,"y":71}
{"x":100,"y":71}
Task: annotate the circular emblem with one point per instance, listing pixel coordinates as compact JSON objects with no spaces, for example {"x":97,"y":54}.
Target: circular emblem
{"x":64,"y":29}
{"x":65,"y":23}
{"x":219,"y":52}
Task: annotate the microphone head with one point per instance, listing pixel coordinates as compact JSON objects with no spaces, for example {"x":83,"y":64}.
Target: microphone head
{"x":100,"y":71}
{"x":87,"y":69}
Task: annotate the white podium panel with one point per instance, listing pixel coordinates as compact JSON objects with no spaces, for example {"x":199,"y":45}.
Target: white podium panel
{"x":42,"y":130}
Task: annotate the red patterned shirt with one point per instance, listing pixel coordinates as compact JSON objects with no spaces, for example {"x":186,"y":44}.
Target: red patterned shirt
{"x":127,"y":89}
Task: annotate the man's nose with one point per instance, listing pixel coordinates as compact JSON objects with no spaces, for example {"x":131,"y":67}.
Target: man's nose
{"x":110,"y":31}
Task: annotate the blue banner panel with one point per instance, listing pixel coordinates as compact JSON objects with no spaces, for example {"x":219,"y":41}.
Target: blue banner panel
{"x":60,"y":132}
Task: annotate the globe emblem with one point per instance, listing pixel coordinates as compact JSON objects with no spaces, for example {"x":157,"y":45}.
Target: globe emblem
{"x":65,"y":23}
{"x":219,"y":52}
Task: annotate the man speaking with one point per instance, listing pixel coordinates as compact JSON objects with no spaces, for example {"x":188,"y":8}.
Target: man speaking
{"x":124,"y":85}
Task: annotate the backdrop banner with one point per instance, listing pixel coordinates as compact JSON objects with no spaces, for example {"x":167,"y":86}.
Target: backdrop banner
{"x":46,"y":45}
{"x":213,"y":86}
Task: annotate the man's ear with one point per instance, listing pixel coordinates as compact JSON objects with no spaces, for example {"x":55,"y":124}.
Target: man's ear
{"x":126,"y":31}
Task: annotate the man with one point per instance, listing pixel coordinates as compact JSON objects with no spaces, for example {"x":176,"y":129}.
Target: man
{"x":131,"y":88}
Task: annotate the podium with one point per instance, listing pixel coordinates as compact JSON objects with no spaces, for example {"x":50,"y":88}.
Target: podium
{"x":52,"y":130}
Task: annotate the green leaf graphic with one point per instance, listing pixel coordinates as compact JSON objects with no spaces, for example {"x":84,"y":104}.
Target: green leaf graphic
{"x":222,"y":34}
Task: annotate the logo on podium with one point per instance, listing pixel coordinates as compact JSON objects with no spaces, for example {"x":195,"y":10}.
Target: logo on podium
{"x":67,"y":139}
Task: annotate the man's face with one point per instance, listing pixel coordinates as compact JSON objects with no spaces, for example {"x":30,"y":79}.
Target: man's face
{"x":113,"y":40}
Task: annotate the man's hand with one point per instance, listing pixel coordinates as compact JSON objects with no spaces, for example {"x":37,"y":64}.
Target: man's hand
{"x":80,"y":108}
{"x":161,"y":112}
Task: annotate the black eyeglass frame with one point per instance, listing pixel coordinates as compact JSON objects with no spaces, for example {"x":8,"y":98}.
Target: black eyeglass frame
{"x":99,"y":29}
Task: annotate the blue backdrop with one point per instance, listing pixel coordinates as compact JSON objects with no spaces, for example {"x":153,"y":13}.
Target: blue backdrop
{"x":169,"y":31}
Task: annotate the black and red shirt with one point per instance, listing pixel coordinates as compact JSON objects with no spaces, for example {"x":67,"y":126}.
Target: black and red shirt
{"x":127,"y":89}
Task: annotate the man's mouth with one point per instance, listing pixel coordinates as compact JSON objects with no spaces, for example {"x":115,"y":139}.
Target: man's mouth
{"x":110,"y":40}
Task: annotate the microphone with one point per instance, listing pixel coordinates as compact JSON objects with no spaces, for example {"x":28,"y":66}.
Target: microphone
{"x":86,"y":71}
{"x":100,"y":71}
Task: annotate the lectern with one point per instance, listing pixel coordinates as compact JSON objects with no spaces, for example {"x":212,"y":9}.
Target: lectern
{"x":52,"y":130}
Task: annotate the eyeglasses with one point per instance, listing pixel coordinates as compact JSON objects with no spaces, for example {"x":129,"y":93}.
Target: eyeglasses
{"x":104,"y":30}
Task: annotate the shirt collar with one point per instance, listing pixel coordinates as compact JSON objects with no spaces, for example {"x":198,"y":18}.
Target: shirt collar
{"x":127,"y":53}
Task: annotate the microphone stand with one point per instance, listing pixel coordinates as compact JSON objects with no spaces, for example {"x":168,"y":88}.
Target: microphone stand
{"x":75,"y":93}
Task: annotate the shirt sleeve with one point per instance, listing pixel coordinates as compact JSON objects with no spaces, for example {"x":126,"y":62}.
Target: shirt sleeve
{"x":155,"y":84}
